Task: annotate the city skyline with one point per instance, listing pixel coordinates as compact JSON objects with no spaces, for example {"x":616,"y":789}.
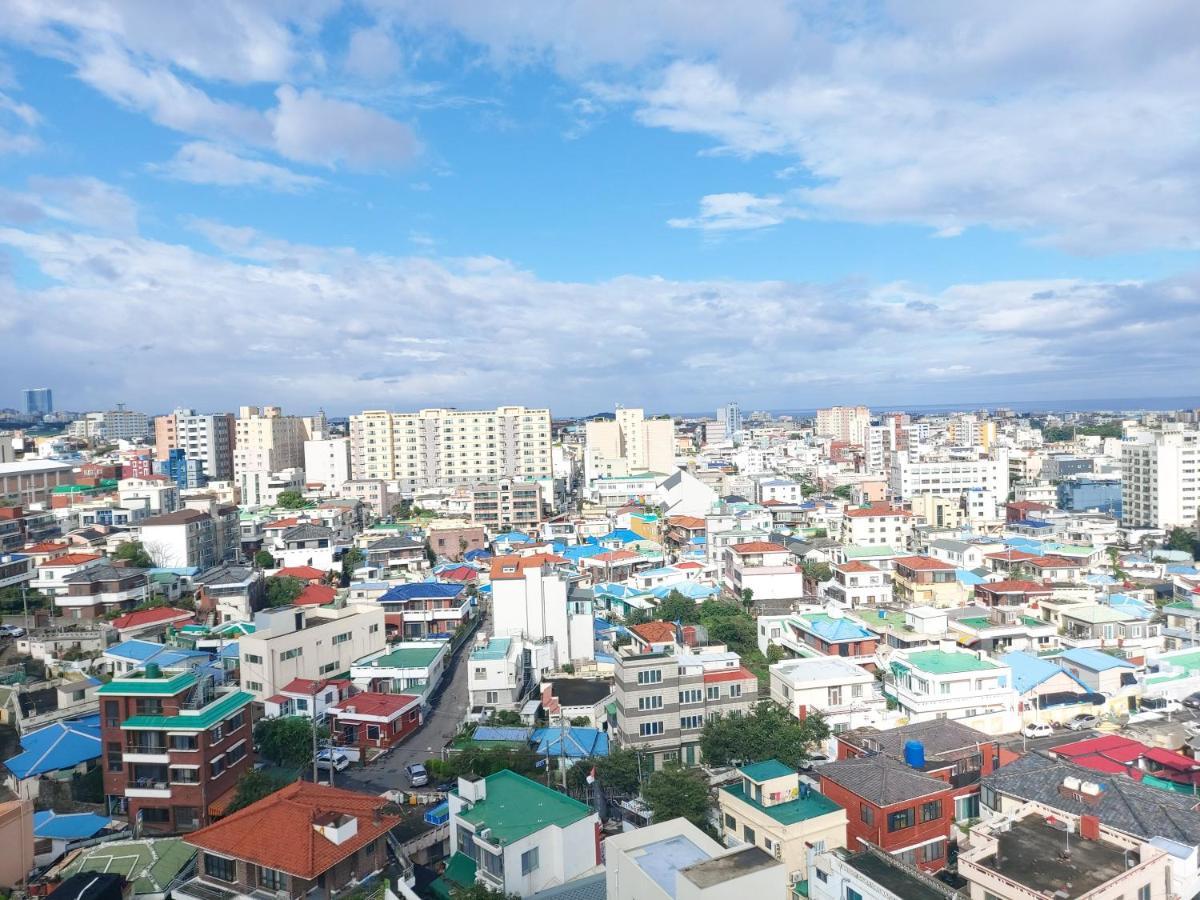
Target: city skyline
{"x":380,"y":206}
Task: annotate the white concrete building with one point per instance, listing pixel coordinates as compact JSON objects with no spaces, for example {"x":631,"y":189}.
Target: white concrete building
{"x":208,"y":438}
{"x":877,"y":523}
{"x":537,"y":597}
{"x":627,"y":444}
{"x":111,"y":426}
{"x":846,"y":694}
{"x":155,"y":493}
{"x":327,"y":463}
{"x":259,"y":487}
{"x":844,"y":423}
{"x":765,"y":568}
{"x":1161,"y":478}
{"x":858,"y":584}
{"x":952,"y":683}
{"x":950,"y":476}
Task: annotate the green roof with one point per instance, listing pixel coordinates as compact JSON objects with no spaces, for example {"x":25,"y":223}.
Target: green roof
{"x":517,"y":807}
{"x":150,"y":864}
{"x":149,"y":687}
{"x":768,"y":768}
{"x":406,"y":658}
{"x":981,"y":622}
{"x":790,"y":812}
{"x":939,"y":662}
{"x":496,"y":648}
{"x":854,"y":551}
{"x":1189,"y":661}
{"x":201,"y":720}
{"x":461,"y":870}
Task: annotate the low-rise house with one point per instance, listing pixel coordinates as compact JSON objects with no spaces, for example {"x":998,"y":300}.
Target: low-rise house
{"x":370,"y":722}
{"x":521,"y":836}
{"x":397,"y":556}
{"x":831,"y":633}
{"x":496,"y":675}
{"x":893,"y":806}
{"x":1055,"y":569}
{"x":57,"y":833}
{"x":765,"y":568}
{"x":1101,"y":672}
{"x":412,"y":666}
{"x":322,"y":839}
{"x":856,"y":583}
{"x":952,"y":683}
{"x":925,"y":581}
{"x":570,"y":699}
{"x":306,"y":697}
{"x":57,"y":752}
{"x":94,"y":590}
{"x":872,"y":874}
{"x":769,"y":807}
{"x":306,"y":544}
{"x":1043,"y":685}
{"x":426,"y":608}
{"x":230,"y":591}
{"x":135,"y":653}
{"x":156,"y":866}
{"x":151,"y":623}
{"x":53,"y":572}
{"x":1099,"y":625}
{"x":846,"y":694}
{"x":875,"y":524}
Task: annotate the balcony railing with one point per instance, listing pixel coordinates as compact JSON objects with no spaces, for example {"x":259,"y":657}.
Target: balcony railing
{"x":145,"y":748}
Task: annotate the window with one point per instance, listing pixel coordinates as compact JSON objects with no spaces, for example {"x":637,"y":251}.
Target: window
{"x":730,"y":822}
{"x":217,"y":766}
{"x":1144,"y":892}
{"x":148,"y":706}
{"x":329,"y":667}
{"x":234,"y":722}
{"x":254,"y":658}
{"x":653,"y":701}
{"x":714,"y":692}
{"x":220,"y":868}
{"x":866,"y":814}
{"x":112,"y":713}
{"x":185,"y":776}
{"x":822,"y":877}
{"x":900,"y":820}
{"x":233,"y":754}
{"x":529,"y":860}
{"x":931,"y":811}
{"x":649,"y":676}
{"x":341,"y":638}
{"x":691,"y":695}
{"x":735,"y":690}
{"x":987,"y":797}
{"x":372,"y":732}
{"x":291,"y":654}
{"x":183,"y":742}
{"x":688,"y":722}
{"x":216,"y":735}
{"x":272,"y":879}
{"x":650,"y":729}
{"x":852,"y":894}
{"x":113,"y":754}
{"x":492,"y":697}
{"x":253,"y":685}
{"x":934,"y":851}
{"x":373,"y":629}
{"x":748,"y":834}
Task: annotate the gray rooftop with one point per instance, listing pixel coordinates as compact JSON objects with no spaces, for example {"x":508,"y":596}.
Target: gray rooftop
{"x":882,"y":780}
{"x":1030,"y":853}
{"x":902,"y":880}
{"x":103,"y":572}
{"x":394,"y":543}
{"x":306,"y":531}
{"x":939,"y":737}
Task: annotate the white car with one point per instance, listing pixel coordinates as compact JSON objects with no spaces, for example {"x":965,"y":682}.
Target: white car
{"x":1037,"y":730}
{"x":1192,"y":728}
{"x":332,"y":759}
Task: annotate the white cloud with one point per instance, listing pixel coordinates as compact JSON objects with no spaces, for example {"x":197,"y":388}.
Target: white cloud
{"x":203,"y":163}
{"x":81,"y":201}
{"x":17,"y":124}
{"x":737,"y":212}
{"x":372,"y":54}
{"x":310,"y":127}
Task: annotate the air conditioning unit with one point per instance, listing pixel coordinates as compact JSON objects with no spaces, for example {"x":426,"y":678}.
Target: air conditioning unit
{"x":484,"y":834}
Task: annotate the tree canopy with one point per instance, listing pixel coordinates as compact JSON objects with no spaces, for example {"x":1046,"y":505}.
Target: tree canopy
{"x":282,"y":591}
{"x":135,"y":554}
{"x":252,"y":786}
{"x":1182,"y":539}
{"x":616,"y":773}
{"x":674,"y":792}
{"x":291,"y":500}
{"x":678,"y":608}
{"x":768,"y":732}
{"x":264,"y":560}
{"x":844,"y":491}
{"x":286,"y":741}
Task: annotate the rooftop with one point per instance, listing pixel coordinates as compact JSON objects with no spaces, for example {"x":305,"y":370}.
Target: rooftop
{"x":767,"y":769}
{"x":941,"y":662}
{"x":790,"y":812}
{"x":924,"y":564}
{"x":495,"y":648}
{"x":1095,"y":659}
{"x":406,"y":657}
{"x":663,"y":859}
{"x":517,"y":807}
{"x":881,"y":780}
{"x":903,"y":881}
{"x":150,"y":865}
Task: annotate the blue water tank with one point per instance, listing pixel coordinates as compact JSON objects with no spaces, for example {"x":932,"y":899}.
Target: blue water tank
{"x":914,"y":754}
{"x":883,"y":614}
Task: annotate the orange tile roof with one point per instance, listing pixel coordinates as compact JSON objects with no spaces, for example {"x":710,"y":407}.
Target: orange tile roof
{"x":278,"y":831}
{"x":72,"y":559}
{"x":741,"y":673}
{"x":140,"y":617}
{"x":520,"y":564}
{"x":922,"y":563}
{"x":283,"y":523}
{"x":315,"y":595}
{"x":1052,"y":562}
{"x":655,"y":632}
{"x":615,"y":556}
{"x":688,"y":565}
{"x":1011,"y":556}
{"x":45,"y":547}
{"x":880,"y":509}
{"x":685,"y":521}
{"x":304,"y":573}
{"x":758,"y":547}
{"x":855,"y":565}
{"x":309,"y":686}
{"x":373,"y":703}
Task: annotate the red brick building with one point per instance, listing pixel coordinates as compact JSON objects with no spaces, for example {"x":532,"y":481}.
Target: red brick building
{"x":372,"y":720}
{"x":174,"y":746}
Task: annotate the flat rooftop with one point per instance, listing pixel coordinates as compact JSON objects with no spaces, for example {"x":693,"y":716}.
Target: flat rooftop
{"x":1032,"y":854}
{"x":661,"y":860}
{"x":889,"y":873}
{"x":719,"y":869}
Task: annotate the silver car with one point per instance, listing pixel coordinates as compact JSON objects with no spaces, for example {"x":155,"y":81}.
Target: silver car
{"x":1082,"y":722}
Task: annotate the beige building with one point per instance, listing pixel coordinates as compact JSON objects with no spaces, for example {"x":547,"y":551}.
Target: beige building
{"x":629,"y":443}
{"x":844,"y":423}
{"x":204,"y":437}
{"x":16,"y":837}
{"x":506,"y":504}
{"x":265,"y":440}
{"x":447,"y":447}
{"x":769,"y":808}
{"x":304,"y":642}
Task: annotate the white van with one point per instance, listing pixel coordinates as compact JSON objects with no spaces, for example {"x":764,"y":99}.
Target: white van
{"x":332,"y":759}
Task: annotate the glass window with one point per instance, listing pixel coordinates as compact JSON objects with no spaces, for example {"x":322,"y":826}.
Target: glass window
{"x":931,"y":811}
{"x":866,"y":813}
{"x":900,"y":820}
{"x":529,"y":860}
{"x":272,"y":879}
{"x":220,"y":868}
{"x":748,"y":834}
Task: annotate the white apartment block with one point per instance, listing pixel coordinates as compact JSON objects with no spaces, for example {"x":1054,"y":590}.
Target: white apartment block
{"x":327,"y":463}
{"x":262,"y":488}
{"x":949,"y":682}
{"x":1160,"y":470}
{"x":534,"y":597}
{"x":267,"y":441}
{"x":296,"y":642}
{"x":877,"y":523}
{"x":208,"y":438}
{"x":846,"y":694}
{"x":111,"y":426}
{"x":844,"y":423}
{"x":447,"y":447}
{"x":910,"y":477}
{"x":628,"y":444}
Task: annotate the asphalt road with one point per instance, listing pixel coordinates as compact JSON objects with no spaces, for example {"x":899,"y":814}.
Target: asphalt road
{"x":441,"y":724}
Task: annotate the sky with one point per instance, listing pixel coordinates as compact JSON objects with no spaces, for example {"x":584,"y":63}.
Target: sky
{"x":574,"y":204}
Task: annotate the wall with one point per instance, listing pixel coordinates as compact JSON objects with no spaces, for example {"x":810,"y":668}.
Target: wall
{"x":16,"y":837}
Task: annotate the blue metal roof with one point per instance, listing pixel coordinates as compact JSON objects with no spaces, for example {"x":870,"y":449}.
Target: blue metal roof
{"x":511,"y":537}
{"x":494,"y":733}
{"x":832,"y":629}
{"x":965,"y":576}
{"x":68,"y":826}
{"x":62,"y":745}
{"x":474,"y":555}
{"x":573,"y":743}
{"x":422,"y":590}
{"x":1095,"y":660}
{"x":624,"y":535}
{"x":582,"y":551}
{"x":1030,"y":671}
{"x":690,"y":589}
{"x":136,"y":650}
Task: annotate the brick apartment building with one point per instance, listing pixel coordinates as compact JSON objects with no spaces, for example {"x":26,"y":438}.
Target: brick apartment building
{"x":174,"y":746}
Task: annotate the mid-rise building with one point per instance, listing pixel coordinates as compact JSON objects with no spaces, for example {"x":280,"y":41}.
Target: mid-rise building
{"x":664,"y":697}
{"x":765,"y":569}
{"x":32,"y":481}
{"x":954,"y":683}
{"x":207,"y":438}
{"x":505,"y":505}
{"x":856,"y":584}
{"x":111,"y":426}
{"x":540,"y":596}
{"x":1160,"y":485}
{"x":184,"y":538}
{"x":175,"y":743}
{"x":447,"y":447}
{"x":729,"y":417}
{"x":39,"y":401}
{"x":327,"y":463}
{"x":628,"y":444}
{"x":844,"y":423}
{"x":265,"y":440}
{"x":877,"y":523}
{"x":846,"y":694}
{"x":910,"y":477}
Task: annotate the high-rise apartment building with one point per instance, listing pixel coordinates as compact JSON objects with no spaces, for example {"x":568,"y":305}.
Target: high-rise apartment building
{"x":1159,"y":487}
{"x":207,"y":438}
{"x":39,"y":401}
{"x":446,"y":447}
{"x":844,"y":423}
{"x":506,"y":504}
{"x":629,"y":443}
{"x":730,"y":415}
{"x":265,"y":440}
{"x":327,"y":463}
{"x":118,"y":424}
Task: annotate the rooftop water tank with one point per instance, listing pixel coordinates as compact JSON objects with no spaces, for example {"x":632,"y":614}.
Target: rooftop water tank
{"x":914,"y":754}
{"x":153,"y":671}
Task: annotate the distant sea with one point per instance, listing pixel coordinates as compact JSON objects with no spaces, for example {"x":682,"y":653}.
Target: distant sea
{"x":1099,"y":405}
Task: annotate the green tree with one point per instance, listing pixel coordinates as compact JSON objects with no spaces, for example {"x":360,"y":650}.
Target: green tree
{"x":637,"y":616}
{"x":747,"y":598}
{"x":402,"y":510}
{"x":676,"y":792}
{"x":283,"y":591}
{"x":618,"y":773}
{"x":479,"y":891}
{"x":135,"y":554}
{"x":739,"y":632}
{"x":291,"y":500}
{"x":252,"y":786}
{"x":844,"y":492}
{"x":1181,"y":539}
{"x":505,"y":718}
{"x":287,"y":741}
{"x":264,"y":560}
{"x":816,"y":571}
{"x":351,"y":560}
{"x":678,"y":608}
{"x":768,"y":732}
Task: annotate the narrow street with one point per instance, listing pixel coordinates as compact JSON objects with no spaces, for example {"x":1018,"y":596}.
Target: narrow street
{"x":441,"y":724}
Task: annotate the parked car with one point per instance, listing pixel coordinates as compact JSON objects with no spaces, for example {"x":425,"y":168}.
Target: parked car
{"x":1083,"y":721}
{"x":417,"y":776}
{"x":332,"y":759}
{"x":1192,"y":701}
{"x":1161,"y":704}
{"x":1037,"y":730}
{"x":816,"y":759}
{"x":13,"y":631}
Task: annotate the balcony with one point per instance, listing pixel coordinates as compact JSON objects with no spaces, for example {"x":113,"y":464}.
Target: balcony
{"x":494,"y":880}
{"x":146,"y":752}
{"x":147,"y":788}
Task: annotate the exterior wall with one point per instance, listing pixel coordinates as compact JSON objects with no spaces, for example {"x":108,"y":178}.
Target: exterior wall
{"x":876,"y":831}
{"x":827,"y":831}
{"x":370,"y":858}
{"x":16,"y":837}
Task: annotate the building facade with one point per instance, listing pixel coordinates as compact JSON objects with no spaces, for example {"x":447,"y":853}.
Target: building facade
{"x":1159,"y":487}
{"x":208,"y":438}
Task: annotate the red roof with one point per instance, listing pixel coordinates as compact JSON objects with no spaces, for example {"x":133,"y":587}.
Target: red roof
{"x":459,"y":573}
{"x":774,"y":503}
{"x":758,"y":547}
{"x":1028,"y":505}
{"x":688,"y":565}
{"x":142,"y":617}
{"x":1013,"y":587}
{"x":1111,"y":746}
{"x":1052,"y":562}
{"x":1010,"y":556}
{"x":690,"y":522}
{"x":288,"y":818}
{"x":922,"y":563}
{"x":875,"y":509}
{"x":613,"y":556}
{"x":655,"y":632}
{"x":71,"y":559}
{"x":283,"y":523}
{"x":309,"y":687}
{"x":373,"y":703}
{"x":520,"y":564}
{"x":304,"y":573}
{"x":45,"y":547}
{"x":315,"y":595}
{"x":1171,"y":760}
{"x":856,"y":566}
{"x":741,"y":673}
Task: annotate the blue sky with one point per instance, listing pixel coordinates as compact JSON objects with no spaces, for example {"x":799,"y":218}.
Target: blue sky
{"x":577,"y":204}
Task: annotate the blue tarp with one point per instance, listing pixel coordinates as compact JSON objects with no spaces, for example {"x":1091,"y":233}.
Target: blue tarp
{"x":68,"y":826}
{"x":62,"y":745}
{"x":573,"y":743}
{"x":422,"y":590}
{"x":494,"y":733}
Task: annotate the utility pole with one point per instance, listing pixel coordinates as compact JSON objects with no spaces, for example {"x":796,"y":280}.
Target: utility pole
{"x":312,"y":719}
